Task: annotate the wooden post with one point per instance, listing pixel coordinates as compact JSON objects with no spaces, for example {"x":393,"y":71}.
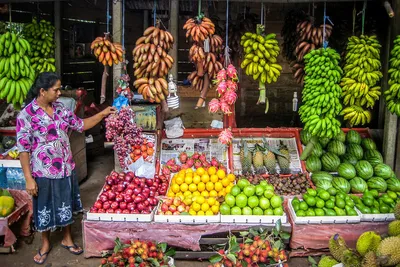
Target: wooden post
{"x":57,"y":36}
{"x":173,"y":29}
{"x":117,"y":37}
{"x":145,"y":19}
{"x":390,"y":134}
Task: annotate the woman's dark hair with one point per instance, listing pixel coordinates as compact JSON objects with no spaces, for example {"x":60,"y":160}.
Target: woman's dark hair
{"x":45,"y":80}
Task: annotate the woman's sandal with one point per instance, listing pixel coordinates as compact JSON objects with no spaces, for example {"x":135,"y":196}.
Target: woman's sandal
{"x":41,"y":255}
{"x":75,"y":246}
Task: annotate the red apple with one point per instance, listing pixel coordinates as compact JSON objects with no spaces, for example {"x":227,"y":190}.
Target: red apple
{"x":114,"y":205}
{"x":106,"y":205}
{"x":98,"y":204}
{"x":110,"y":211}
{"x":122,"y":205}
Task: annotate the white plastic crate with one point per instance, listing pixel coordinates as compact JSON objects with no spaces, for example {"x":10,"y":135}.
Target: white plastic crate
{"x":252,"y":219}
{"x":322,"y":219}
{"x":186,"y":219}
{"x":384,"y":217}
{"x":114,"y":217}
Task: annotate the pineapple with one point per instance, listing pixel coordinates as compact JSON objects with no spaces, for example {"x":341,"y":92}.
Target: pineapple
{"x":284,"y":159}
{"x":245,"y":158}
{"x":258,"y":159}
{"x":270,"y":161}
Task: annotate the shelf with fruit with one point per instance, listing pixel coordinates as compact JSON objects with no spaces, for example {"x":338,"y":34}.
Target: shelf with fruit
{"x":125,"y":197}
{"x":146,"y":150}
{"x":323,"y":206}
{"x":348,"y":162}
{"x":376,"y":207}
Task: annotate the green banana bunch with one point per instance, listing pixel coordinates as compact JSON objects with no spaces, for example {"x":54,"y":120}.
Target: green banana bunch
{"x":41,"y":37}
{"x":392,"y":95}
{"x":321,"y":93}
{"x":260,"y":59}
{"x":16,"y":72}
{"x":361,"y":74}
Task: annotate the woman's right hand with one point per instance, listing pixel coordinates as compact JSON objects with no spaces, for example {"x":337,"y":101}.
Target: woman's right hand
{"x":31,"y":187}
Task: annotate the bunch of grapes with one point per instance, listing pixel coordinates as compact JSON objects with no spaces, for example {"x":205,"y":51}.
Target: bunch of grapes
{"x":121,"y":129}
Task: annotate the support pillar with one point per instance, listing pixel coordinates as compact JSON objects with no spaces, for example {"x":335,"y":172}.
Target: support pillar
{"x":145,"y":19}
{"x":57,"y":36}
{"x":173,"y":29}
{"x":117,"y":37}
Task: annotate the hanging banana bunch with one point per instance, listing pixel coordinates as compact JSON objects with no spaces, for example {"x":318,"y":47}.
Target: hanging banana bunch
{"x":393,"y":93}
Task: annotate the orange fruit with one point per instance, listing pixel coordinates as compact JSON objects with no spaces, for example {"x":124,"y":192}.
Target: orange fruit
{"x":231,"y":177}
{"x":209,"y":213}
{"x":225,"y":182}
{"x":184,"y":187}
{"x":179,"y":180}
{"x":170,"y":194}
{"x":192,"y":187}
{"x":209,"y":186}
{"x":211,"y":201}
{"x":205,"y":194}
{"x":205,"y":178}
{"x":200,"y":199}
{"x":205,"y":207}
{"x":187,"y":194}
{"x":221,"y":193}
{"x":182,"y":173}
{"x":214,"y":178}
{"x":196,"y":206}
{"x":200,"y":171}
{"x":221,"y":174}
{"x":175,"y":188}
{"x":228,"y":188}
{"x":196,"y":193}
{"x":212,"y":170}
{"x":200,"y":213}
{"x":215,"y":209}
{"x":201,"y":187}
{"x":189,"y":171}
{"x":218,"y":186}
{"x":196,"y":179}
{"x":192,"y":212}
{"x":188,"y":201}
{"x":213,"y":193}
{"x":188,"y":179}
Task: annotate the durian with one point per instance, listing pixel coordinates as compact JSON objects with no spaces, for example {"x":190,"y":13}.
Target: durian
{"x":369,"y":260}
{"x":397,"y":211}
{"x":368,"y":241}
{"x":394,"y":228}
{"x":337,"y":247}
{"x":351,"y":259}
{"x":327,"y":261}
{"x":389,"y":251}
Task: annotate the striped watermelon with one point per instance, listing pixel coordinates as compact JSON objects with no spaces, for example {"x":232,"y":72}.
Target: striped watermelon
{"x":324,"y":141}
{"x":321,"y":176}
{"x":341,"y":184}
{"x":373,"y":156}
{"x":313,"y":163}
{"x":364,"y":169}
{"x":330,"y":162}
{"x":393,"y":184}
{"x":353,"y":137}
{"x":341,"y":136}
{"x":355,"y":150}
{"x":383,"y":170}
{"x":377,"y":183}
{"x":349,"y":158}
{"x":358,"y":185}
{"x":317,"y":150}
{"x":305,"y":136}
{"x":337,"y":147}
{"x":347,"y":171}
{"x":368,"y":144}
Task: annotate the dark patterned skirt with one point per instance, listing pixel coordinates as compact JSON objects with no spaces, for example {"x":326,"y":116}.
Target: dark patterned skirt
{"x":56,"y":202}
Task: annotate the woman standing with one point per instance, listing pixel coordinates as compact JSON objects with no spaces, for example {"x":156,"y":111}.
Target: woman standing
{"x":46,"y":159}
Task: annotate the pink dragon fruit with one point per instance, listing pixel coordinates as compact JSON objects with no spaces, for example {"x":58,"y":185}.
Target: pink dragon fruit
{"x":225,"y":107}
{"x":221,"y":76}
{"x":222,"y":167}
{"x":225,"y":137}
{"x":184,"y":166}
{"x":231,"y":85}
{"x":221,"y":88}
{"x":213,"y":105}
{"x":214,"y":162}
{"x":183,"y":157}
{"x":230,"y":97}
{"x":171,"y":162}
{"x":203,"y":157}
{"x":166,"y":170}
{"x":231,"y":72}
{"x":175,"y":168}
{"x":196,"y":155}
{"x":190,"y":162}
{"x":197,"y":164}
{"x":206,"y":164}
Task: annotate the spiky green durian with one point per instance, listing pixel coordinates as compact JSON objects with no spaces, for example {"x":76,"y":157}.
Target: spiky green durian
{"x":327,"y":261}
{"x":369,"y":260}
{"x":388,"y":251}
{"x":394,"y":228}
{"x":337,"y":247}
{"x":368,"y":241}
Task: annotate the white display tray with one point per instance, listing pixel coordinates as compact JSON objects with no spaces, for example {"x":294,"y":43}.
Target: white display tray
{"x":384,"y":217}
{"x":322,"y":219}
{"x":10,"y":163}
{"x":114,"y":217}
{"x":252,"y":219}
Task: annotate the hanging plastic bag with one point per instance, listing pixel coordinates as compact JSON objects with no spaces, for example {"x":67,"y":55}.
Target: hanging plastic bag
{"x":135,"y":165}
{"x":120,"y":102}
{"x":174,"y":128}
{"x":146,"y":170}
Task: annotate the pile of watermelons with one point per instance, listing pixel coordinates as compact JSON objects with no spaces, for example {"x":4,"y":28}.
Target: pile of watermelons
{"x":355,"y":163}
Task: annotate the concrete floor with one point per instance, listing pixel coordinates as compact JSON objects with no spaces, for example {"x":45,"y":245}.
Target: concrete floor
{"x":60,"y":257}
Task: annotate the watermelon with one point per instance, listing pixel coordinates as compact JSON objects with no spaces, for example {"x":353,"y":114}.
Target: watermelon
{"x":368,"y":144}
{"x":324,"y":141}
{"x":373,"y":156}
{"x":364,"y":169}
{"x":313,"y":164}
{"x":341,"y":137}
{"x":330,"y":162}
{"x":321,"y":176}
{"x":317,"y":150}
{"x":383,"y":170}
{"x":355,"y":150}
{"x":347,"y":171}
{"x":341,"y":184}
{"x":353,"y":137}
{"x":393,"y":184}
{"x":337,"y":147}
{"x":349,"y":158}
{"x":323,"y":184}
{"x":377,"y":183}
{"x":358,"y":185}
{"x":305,"y":137}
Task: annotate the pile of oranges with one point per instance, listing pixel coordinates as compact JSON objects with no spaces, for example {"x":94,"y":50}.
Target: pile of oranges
{"x":201,"y":188}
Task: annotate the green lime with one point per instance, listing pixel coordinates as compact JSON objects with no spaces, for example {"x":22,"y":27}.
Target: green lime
{"x":341,"y":195}
{"x":268,"y":212}
{"x":225,"y":209}
{"x":241,"y":200}
{"x":295,"y":200}
{"x":332,"y":191}
{"x":329,"y":212}
{"x":269,"y":193}
{"x":259,"y":190}
{"x":264,"y":203}
{"x":320,"y":203}
{"x":242,"y":183}
{"x":366,"y":210}
{"x":339,"y":211}
{"x":319,"y":212}
{"x":278,"y":211}
{"x":303,"y":206}
{"x":310,"y":201}
{"x":324,"y":195}
{"x":392,"y":195}
{"x":235,"y":190}
{"x":230,"y":200}
{"x":236,"y":211}
{"x":368,"y":201}
{"x":249,"y":190}
{"x":329,"y":204}
{"x":350,"y":203}
{"x":375,"y":210}
{"x":311,"y":192}
{"x":310,"y":212}
{"x":258,"y":211}
{"x":247,"y":211}
{"x":253,"y":201}
{"x":301,"y":213}
{"x":340,"y":203}
{"x":384,"y":208}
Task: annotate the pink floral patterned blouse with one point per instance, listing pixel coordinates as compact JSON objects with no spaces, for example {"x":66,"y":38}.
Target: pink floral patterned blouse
{"x":46,"y":139}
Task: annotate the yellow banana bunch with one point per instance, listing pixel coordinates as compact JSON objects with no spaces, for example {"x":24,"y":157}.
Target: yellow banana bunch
{"x":40,"y":34}
{"x":392,"y":95}
{"x":321,"y":93}
{"x":16,"y":72}
{"x":361,"y":74}
{"x":356,"y":115}
{"x":260,"y":59}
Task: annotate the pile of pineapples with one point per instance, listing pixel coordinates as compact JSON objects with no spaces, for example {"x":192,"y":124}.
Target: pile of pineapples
{"x":263,"y":158}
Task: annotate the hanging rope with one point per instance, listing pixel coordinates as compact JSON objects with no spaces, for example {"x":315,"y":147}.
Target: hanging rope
{"x":227,"y":60}
{"x":363,"y":17}
{"x":9,"y":14}
{"x":108,"y":16}
{"x":154,"y":13}
{"x":262,"y":14}
{"x":325,"y":42}
{"x":354,"y":17}
{"x":199,"y":8}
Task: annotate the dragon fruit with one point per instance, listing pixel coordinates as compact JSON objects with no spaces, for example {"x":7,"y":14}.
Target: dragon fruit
{"x":231,"y":71}
{"x":203,"y":157}
{"x":184,"y":166}
{"x":230,"y":97}
{"x":171,"y":162}
{"x":225,"y":137}
{"x":183,"y":157}
{"x":166,"y":170}
{"x":196,"y":155}
{"x":214,"y":162}
{"x":175,"y":168}
{"x":213,"y":105}
{"x":221,"y":76}
{"x":190,"y":162}
{"x":231,"y":85}
{"x":222,"y":88}
{"x":197,"y":164}
{"x":225,"y":107}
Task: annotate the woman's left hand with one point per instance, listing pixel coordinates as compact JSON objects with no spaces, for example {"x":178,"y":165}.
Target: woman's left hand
{"x":108,"y":111}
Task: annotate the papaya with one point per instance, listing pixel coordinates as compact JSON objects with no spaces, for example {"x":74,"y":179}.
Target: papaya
{"x":6,"y":205}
